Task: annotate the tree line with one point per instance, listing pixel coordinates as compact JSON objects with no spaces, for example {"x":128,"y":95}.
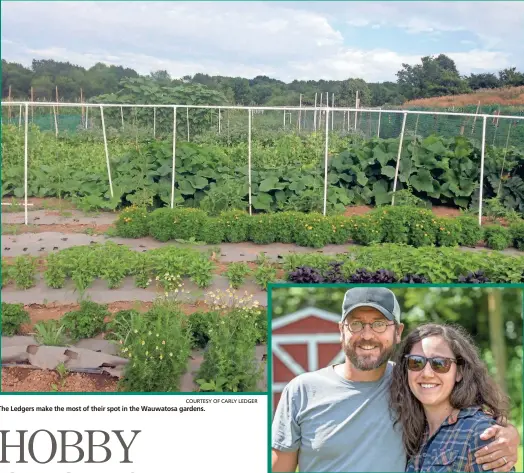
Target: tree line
{"x":432,"y":77}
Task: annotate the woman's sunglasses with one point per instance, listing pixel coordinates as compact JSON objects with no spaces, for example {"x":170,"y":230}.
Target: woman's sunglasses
{"x":439,"y":364}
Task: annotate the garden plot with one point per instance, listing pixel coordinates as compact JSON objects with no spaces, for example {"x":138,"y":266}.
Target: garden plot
{"x":89,"y":365}
{"x":141,"y":347}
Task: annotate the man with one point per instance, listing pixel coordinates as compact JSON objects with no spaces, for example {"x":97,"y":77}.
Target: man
{"x":337,"y":419}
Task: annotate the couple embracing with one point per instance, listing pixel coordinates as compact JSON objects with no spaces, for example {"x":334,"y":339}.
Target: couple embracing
{"x":435,"y":409}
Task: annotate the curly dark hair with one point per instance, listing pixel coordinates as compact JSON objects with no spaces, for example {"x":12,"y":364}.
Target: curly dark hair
{"x":476,"y":388}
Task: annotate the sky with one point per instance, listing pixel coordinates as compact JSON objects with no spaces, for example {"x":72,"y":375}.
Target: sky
{"x":282,"y":40}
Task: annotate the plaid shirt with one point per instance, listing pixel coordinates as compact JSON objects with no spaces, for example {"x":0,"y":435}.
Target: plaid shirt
{"x":453,"y":445}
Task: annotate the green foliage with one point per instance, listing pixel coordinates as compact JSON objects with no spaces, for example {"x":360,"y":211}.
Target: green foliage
{"x":423,"y":227}
{"x":119,"y":327}
{"x":341,"y":227}
{"x":264,"y":274}
{"x":161,"y":224}
{"x":132,"y":222}
{"x":86,"y":322}
{"x":213,"y":231}
{"x":517,"y":234}
{"x":236,"y":273}
{"x":229,"y":360}
{"x":158,"y":346}
{"x":449,"y":232}
{"x":50,"y":333}
{"x":497,"y":237}
{"x":437,"y":264}
{"x":366,"y":231}
{"x":472,"y":232}
{"x":199,"y":324}
{"x":313,"y":230}
{"x":236,"y":225}
{"x":23,"y":271}
{"x":263,"y":229}
{"x":13,"y":317}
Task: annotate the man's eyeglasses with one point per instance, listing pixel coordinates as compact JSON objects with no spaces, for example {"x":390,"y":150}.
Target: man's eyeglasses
{"x":439,"y":364}
{"x":378,"y":326}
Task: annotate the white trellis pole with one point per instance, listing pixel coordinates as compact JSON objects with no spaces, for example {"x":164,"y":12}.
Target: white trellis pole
{"x":106,"y":150}
{"x":356,"y":107}
{"x":26,"y":154}
{"x":56,"y":120}
{"x":174,"y":160}
{"x":154,"y":122}
{"x":219,"y":121}
{"x":378,"y":127}
{"x":122,"y":116}
{"x":300,"y":114}
{"x":398,"y":157}
{"x":187,"y":120}
{"x":333,"y":111}
{"x":249,"y":111}
{"x":315,"y":116}
{"x":326,"y":151}
{"x":482,"y":155}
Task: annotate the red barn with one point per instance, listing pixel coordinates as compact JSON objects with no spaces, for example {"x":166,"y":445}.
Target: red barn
{"x":303,"y":341}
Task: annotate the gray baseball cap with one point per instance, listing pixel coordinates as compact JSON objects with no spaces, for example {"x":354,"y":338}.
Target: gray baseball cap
{"x":379,"y":298}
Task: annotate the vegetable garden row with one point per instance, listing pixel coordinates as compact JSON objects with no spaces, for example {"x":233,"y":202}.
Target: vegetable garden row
{"x":287,"y":171}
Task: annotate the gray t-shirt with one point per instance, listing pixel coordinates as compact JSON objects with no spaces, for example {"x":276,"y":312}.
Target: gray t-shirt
{"x":338,"y":425}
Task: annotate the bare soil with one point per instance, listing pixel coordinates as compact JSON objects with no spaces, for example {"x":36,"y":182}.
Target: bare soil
{"x":28,"y":379}
{"x":55,"y":311}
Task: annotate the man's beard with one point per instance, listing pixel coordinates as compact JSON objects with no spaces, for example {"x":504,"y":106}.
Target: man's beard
{"x":367,"y":363}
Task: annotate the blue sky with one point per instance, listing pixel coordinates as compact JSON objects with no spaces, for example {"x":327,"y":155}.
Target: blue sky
{"x":284,"y":40}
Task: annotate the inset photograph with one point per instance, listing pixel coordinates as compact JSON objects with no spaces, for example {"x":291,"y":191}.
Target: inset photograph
{"x":393,"y":379}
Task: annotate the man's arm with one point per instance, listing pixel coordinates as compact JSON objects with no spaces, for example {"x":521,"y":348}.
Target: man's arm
{"x":284,"y":462}
{"x":501,"y":453}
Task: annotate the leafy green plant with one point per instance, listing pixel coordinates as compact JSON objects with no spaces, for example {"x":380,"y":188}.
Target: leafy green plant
{"x":497,"y":237}
{"x":13,"y":317}
{"x":517,"y":234}
{"x":158,"y":348}
{"x":422,"y":227}
{"x":56,"y":272}
{"x":23,"y":271}
{"x":472,"y":233}
{"x":366,"y":231}
{"x":199,"y":324}
{"x":213,"y":231}
{"x":229,"y":359}
{"x":161,"y":224}
{"x":86,"y":322}
{"x":449,"y":232}
{"x":132,"y":223}
{"x":264,"y":274}
{"x":119,"y":327}
{"x":50,"y":333}
{"x":341,"y":227}
{"x":236,"y":273}
{"x":314,"y":230}
{"x":6,"y":273}
{"x":394,"y":223}
{"x":201,"y":271}
{"x":236,"y":225}
{"x":263,"y":229}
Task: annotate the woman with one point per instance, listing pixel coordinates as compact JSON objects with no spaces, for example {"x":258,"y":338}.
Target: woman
{"x":443,"y":398}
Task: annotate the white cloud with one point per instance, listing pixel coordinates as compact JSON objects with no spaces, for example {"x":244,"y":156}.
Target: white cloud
{"x":290,"y":41}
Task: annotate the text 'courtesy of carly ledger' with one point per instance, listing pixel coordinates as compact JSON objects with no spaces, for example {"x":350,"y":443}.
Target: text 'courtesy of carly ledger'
{"x":133,"y":434}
